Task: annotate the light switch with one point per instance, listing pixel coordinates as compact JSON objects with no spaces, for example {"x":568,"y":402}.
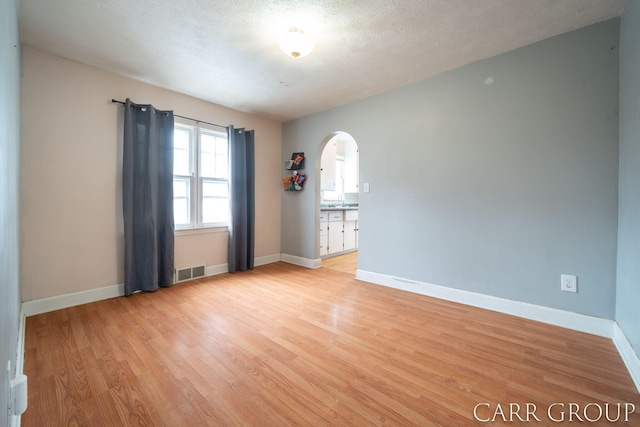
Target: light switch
{"x":365,"y":187}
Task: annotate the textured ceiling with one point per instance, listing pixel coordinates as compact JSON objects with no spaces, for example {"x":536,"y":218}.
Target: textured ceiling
{"x":226,"y":51}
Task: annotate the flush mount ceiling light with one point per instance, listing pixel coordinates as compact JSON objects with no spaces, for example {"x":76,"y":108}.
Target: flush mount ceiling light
{"x":296,"y":43}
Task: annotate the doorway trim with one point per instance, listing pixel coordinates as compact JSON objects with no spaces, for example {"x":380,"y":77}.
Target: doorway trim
{"x":317,"y":186}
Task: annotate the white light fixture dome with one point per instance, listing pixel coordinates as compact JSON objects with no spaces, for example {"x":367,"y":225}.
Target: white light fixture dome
{"x":296,"y":43}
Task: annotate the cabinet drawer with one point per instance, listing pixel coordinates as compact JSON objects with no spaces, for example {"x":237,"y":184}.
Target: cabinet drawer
{"x":324,"y":217}
{"x":351,"y":215}
{"x":335,"y":216}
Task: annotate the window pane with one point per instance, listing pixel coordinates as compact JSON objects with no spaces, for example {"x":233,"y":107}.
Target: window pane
{"x":215,"y":210}
{"x":213,"y":156}
{"x":181,"y":138}
{"x":208,"y":142}
{"x":180,"y":188}
{"x":215,"y":189}
{"x":222,"y":166}
{"x":208,"y":165}
{"x":181,"y":202}
{"x":181,"y":151}
{"x":222,"y":157}
{"x":207,"y":155}
{"x":181,"y":211}
{"x":215,"y":201}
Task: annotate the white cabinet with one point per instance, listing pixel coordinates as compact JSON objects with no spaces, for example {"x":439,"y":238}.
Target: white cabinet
{"x":336,"y":231}
{"x":336,"y":216}
{"x":336,"y":240}
{"x":349,"y":235}
{"x":328,"y":167}
{"x":351,"y":215}
{"x":350,"y":230}
{"x":324,"y":233}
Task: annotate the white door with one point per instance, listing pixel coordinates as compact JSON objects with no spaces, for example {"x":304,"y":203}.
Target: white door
{"x":349,"y":235}
{"x":336,"y":239}
{"x":324,"y":237}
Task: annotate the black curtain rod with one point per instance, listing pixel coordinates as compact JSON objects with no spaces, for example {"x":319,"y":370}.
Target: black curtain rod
{"x":115,"y":101}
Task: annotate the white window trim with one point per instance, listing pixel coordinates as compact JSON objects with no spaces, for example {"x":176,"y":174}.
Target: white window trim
{"x":196,"y":184}
{"x":200,"y":230}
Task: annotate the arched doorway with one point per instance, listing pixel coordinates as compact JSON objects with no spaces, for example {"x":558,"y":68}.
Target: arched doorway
{"x":338,"y":201}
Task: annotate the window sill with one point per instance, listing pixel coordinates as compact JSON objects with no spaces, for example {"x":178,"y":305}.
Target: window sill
{"x":201,"y":230}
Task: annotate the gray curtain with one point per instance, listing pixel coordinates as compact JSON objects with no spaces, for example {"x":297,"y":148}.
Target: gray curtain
{"x":147,"y":198}
{"x":241,"y":199}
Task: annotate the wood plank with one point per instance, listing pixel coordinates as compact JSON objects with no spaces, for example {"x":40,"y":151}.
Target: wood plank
{"x":284,"y":345}
{"x":347,"y":263}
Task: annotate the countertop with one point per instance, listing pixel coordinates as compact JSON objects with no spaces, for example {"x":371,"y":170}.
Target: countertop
{"x":338,"y":208}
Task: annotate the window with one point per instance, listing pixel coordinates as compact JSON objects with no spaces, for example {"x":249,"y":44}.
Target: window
{"x":200,"y":177}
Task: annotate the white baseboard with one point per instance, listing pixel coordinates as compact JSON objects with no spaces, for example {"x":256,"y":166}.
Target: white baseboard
{"x":566,"y":319}
{"x":628,"y":354}
{"x":212,"y":270}
{"x":45,"y":305}
{"x":303,"y":262}
{"x":269,"y":259}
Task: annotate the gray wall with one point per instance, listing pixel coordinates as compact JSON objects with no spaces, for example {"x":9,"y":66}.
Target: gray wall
{"x":9,"y":192}
{"x":496,"y":189}
{"x":628,"y":293}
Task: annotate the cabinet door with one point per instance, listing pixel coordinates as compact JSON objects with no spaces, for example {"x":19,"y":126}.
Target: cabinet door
{"x":328,"y":167}
{"x":324,"y":237}
{"x":357,"y":232}
{"x":349,"y":235}
{"x":336,"y":238}
{"x":324,"y":241}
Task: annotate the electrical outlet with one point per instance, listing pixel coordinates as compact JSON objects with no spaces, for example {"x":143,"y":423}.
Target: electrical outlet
{"x":568,"y":283}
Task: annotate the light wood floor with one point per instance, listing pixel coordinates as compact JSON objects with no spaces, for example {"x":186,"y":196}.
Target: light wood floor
{"x":347,"y":263}
{"x":282,"y":345}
